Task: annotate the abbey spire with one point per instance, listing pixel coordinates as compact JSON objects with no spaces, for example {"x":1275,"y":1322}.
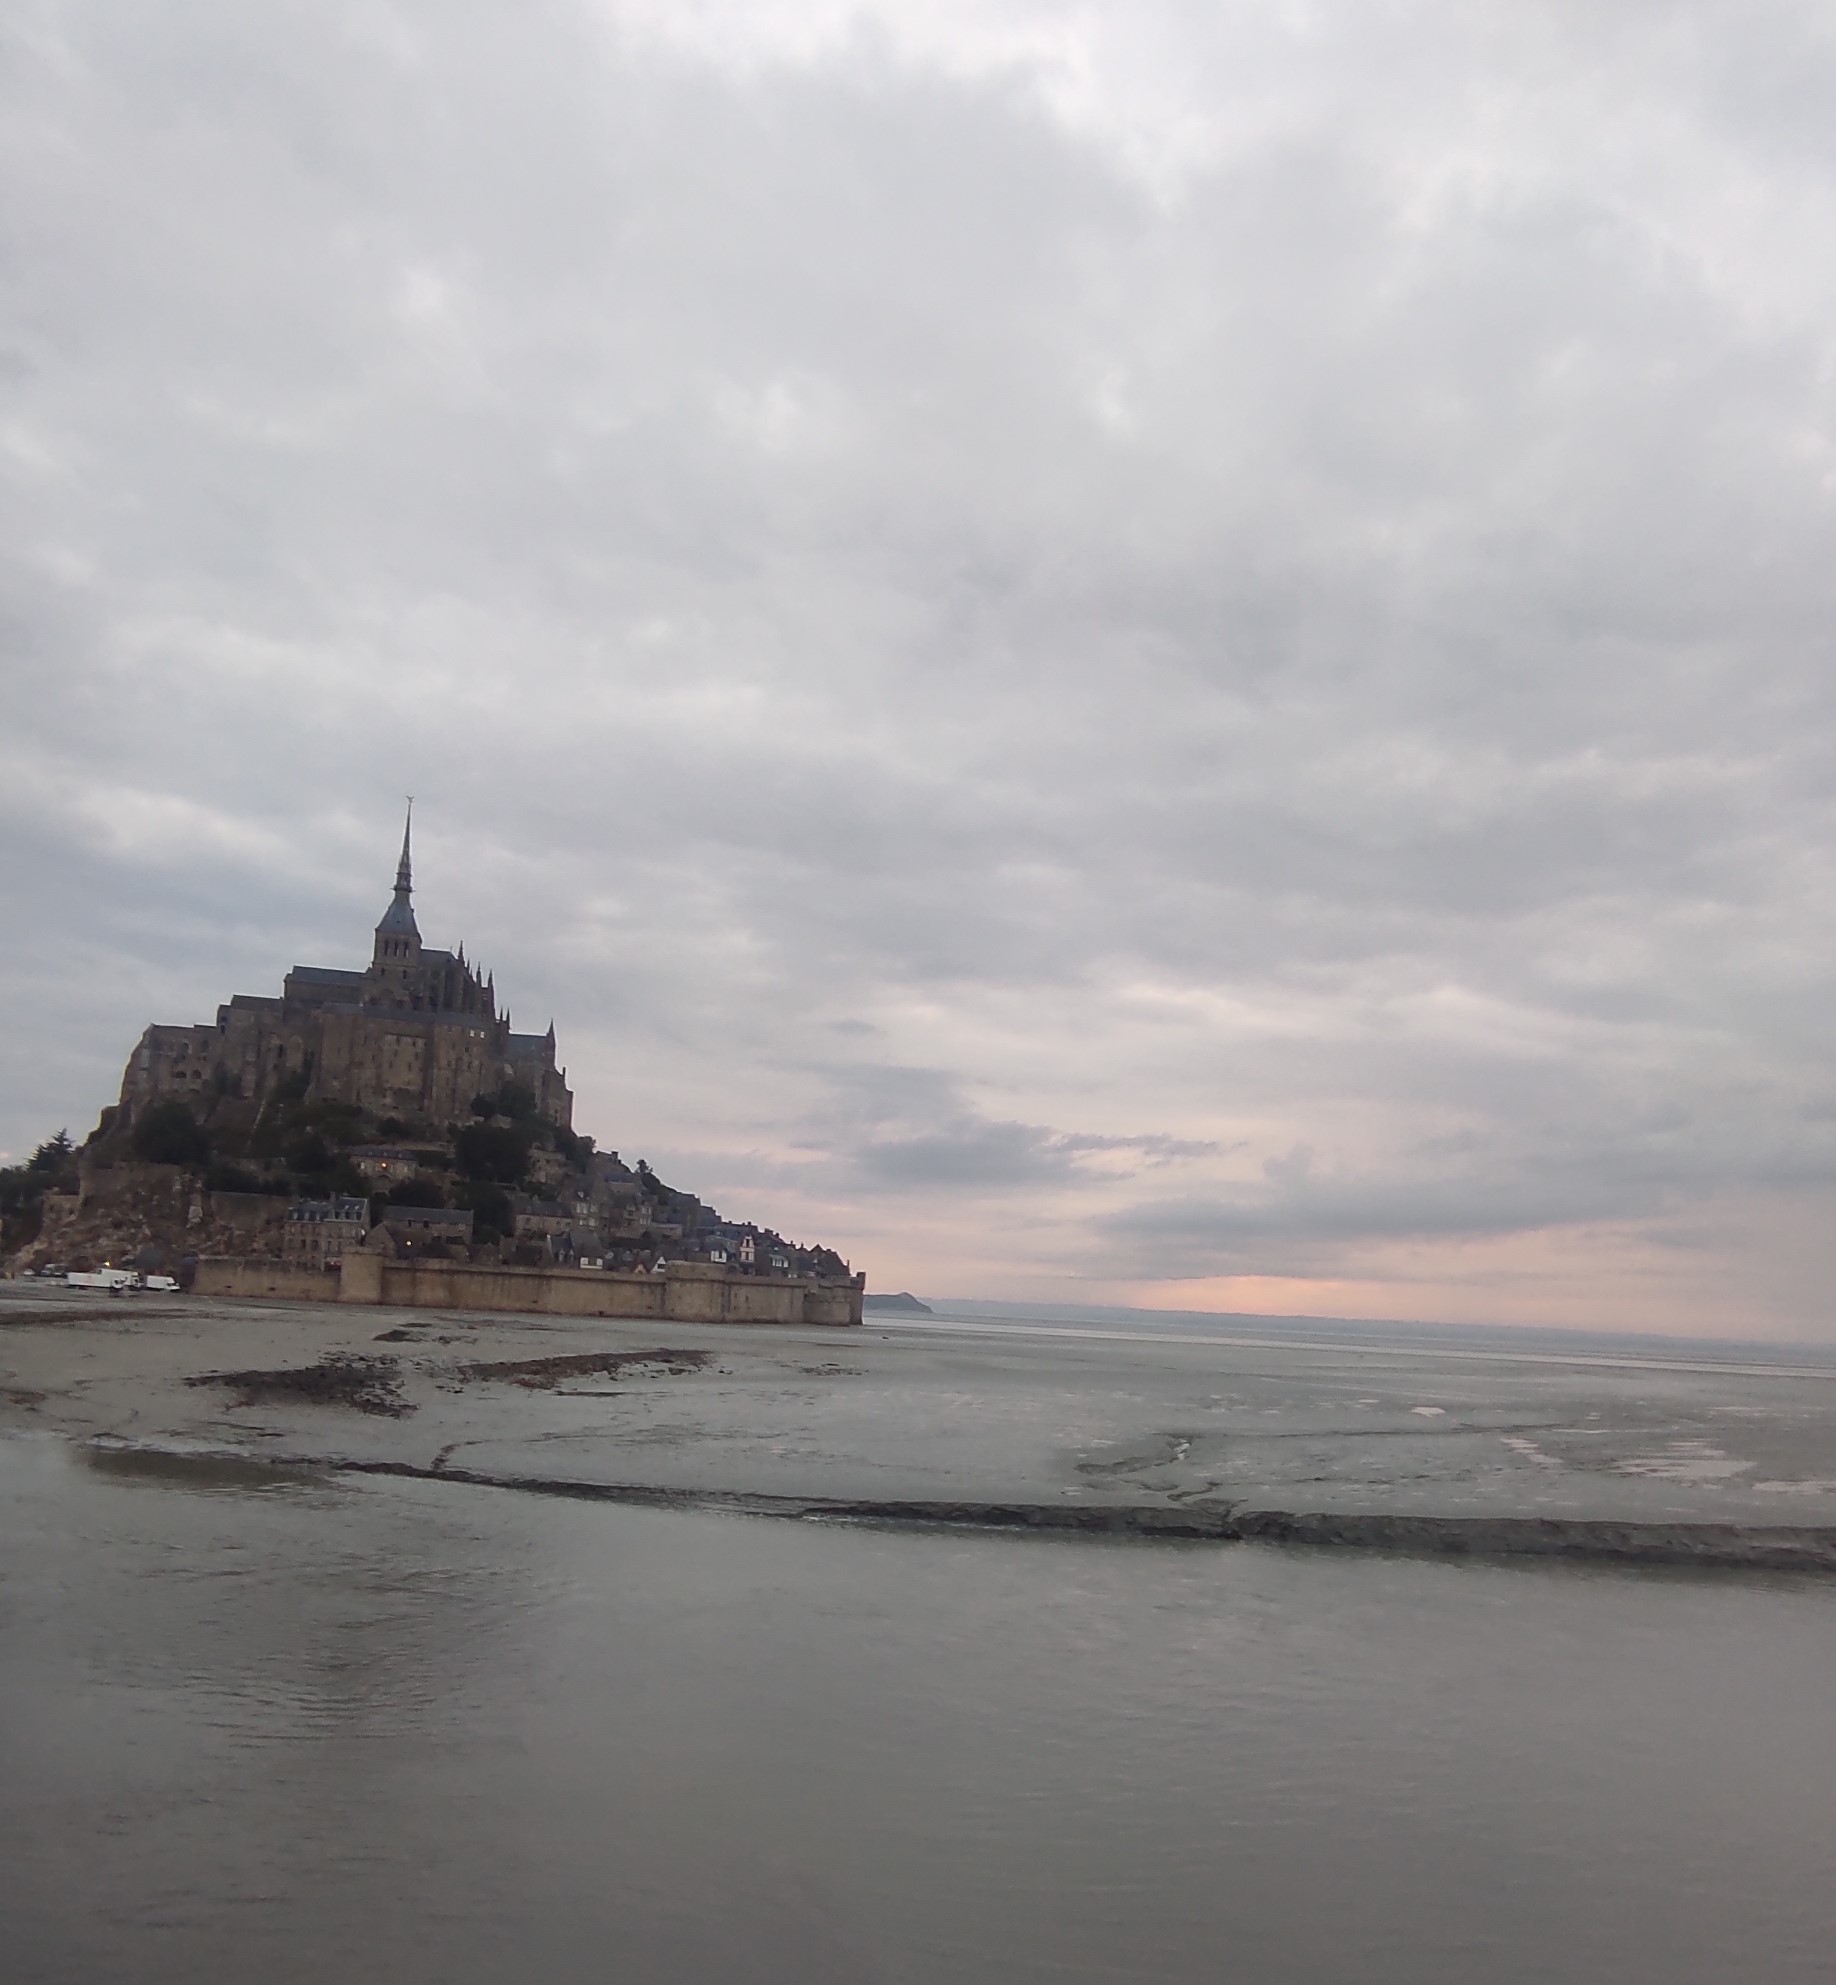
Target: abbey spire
{"x":404,"y":869}
{"x":397,"y":935}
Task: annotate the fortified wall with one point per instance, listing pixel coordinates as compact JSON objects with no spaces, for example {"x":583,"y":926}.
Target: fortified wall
{"x":690,"y":1292}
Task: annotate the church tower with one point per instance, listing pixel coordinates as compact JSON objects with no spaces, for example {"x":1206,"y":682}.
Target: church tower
{"x":396,"y":958}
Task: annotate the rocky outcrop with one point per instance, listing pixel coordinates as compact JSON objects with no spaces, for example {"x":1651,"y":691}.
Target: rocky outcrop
{"x":150,"y":1216}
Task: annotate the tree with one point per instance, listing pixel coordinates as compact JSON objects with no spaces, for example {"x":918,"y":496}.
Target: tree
{"x":168,"y":1134}
{"x":516,"y":1100}
{"x":491,"y":1153}
{"x":51,"y":1168}
{"x":309,"y":1154}
{"x":415,"y":1192}
{"x":345,"y":1180}
{"x":339,"y":1122}
{"x":493,"y":1218}
{"x":53,"y":1156}
{"x":223,"y":1177}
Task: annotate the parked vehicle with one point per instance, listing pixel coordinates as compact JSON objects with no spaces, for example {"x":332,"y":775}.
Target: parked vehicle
{"x":165,"y":1285}
{"x":117,"y":1281}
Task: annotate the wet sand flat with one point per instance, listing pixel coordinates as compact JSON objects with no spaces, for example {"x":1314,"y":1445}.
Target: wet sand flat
{"x":1226,"y":1434}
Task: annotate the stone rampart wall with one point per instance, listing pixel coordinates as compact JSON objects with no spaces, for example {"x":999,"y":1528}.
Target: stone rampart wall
{"x":834,"y":1303}
{"x":231,"y":1275}
{"x":691,"y":1292}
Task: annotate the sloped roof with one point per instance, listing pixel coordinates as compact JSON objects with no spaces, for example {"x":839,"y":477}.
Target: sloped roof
{"x":326,"y":975}
{"x":427,"y":1216}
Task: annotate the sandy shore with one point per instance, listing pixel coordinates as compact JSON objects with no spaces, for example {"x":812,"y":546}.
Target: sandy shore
{"x":1323,"y":1442}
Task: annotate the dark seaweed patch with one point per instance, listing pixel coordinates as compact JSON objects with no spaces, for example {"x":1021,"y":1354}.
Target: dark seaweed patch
{"x":537,"y":1372}
{"x":371,"y":1385}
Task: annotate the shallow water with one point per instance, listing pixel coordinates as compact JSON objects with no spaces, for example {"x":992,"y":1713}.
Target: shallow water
{"x":299,"y":1729}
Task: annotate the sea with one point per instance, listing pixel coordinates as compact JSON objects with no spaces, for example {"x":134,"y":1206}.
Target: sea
{"x":270,"y":1726}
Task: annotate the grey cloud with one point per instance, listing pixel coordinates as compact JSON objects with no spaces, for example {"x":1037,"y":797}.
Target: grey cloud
{"x":973,"y":1152}
{"x":1282,"y":600}
{"x":1270,"y":1231}
{"x":1157,"y":1149}
{"x":899,"y":1128}
{"x":1296,"y":1219}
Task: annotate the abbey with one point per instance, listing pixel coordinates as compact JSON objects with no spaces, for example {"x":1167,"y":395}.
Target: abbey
{"x":416,"y":1036}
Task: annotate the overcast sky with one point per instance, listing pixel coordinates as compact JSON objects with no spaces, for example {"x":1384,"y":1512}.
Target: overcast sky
{"x":1115,"y":652}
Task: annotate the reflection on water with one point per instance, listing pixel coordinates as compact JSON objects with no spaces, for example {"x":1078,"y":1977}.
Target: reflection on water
{"x":393,"y":1730}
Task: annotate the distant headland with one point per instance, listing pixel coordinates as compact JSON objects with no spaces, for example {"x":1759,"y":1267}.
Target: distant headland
{"x":903,"y":1303}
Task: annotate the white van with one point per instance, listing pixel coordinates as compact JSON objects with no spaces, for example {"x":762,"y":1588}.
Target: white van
{"x":165,"y":1285}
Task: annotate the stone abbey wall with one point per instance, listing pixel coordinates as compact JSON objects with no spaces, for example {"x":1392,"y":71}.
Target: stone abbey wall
{"x":388,"y":1061}
{"x":417,"y":1033}
{"x":412,"y":1064}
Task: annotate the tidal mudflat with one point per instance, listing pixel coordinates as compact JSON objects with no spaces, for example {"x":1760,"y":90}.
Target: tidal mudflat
{"x":1282,"y":1433}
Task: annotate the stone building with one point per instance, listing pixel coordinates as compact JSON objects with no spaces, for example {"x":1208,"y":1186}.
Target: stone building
{"x":406,"y":1229}
{"x":540,"y":1219}
{"x":415,"y":1035}
{"x":319,"y":1231}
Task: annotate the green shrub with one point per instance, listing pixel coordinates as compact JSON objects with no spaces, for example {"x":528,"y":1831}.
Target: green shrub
{"x":415,"y":1192}
{"x":168,"y":1134}
{"x":222,"y":1177}
{"x":309,"y":1154}
{"x":491,"y":1153}
{"x":492,"y":1215}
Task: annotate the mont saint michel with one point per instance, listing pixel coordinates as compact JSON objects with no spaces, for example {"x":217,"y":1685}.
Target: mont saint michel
{"x":414,"y":1037}
{"x":384,"y":1133}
